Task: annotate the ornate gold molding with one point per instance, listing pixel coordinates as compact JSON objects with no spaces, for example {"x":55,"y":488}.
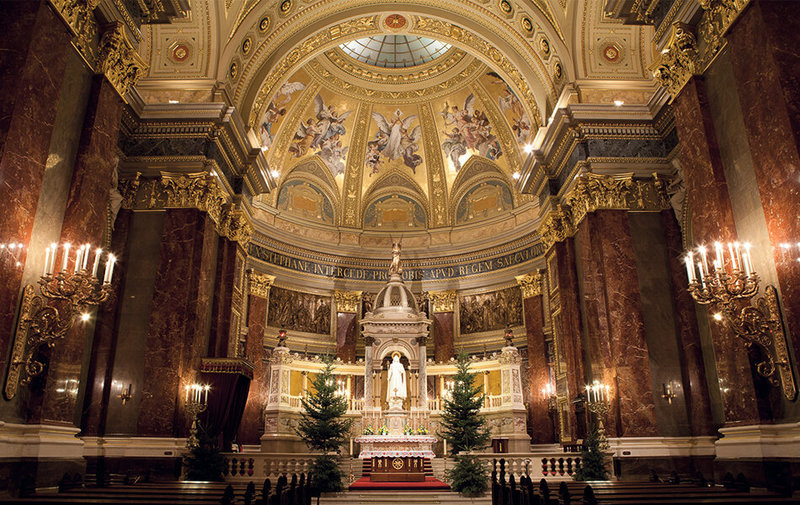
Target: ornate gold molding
{"x":118,"y":60}
{"x":347,"y":301}
{"x":260,"y":283}
{"x":443,"y":301}
{"x":436,"y":173}
{"x":594,"y":192}
{"x":236,"y":226}
{"x":683,"y":56}
{"x":531,"y":284}
{"x":355,"y":168}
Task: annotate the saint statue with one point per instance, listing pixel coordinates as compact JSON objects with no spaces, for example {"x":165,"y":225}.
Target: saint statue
{"x":396,"y":384}
{"x":395,"y":267}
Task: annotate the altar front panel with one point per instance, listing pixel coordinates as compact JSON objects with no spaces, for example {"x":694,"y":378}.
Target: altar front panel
{"x":397,"y":469}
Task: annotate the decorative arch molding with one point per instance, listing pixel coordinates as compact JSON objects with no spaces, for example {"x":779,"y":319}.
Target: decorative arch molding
{"x":473,"y":28}
{"x":392,"y":181}
{"x":316,"y":170}
{"x":475,"y":168}
{"x":391,"y":193}
{"x":314,"y":174}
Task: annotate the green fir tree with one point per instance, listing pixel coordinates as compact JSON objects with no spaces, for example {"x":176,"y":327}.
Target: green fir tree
{"x":593,"y":457}
{"x":204,"y":461}
{"x":465,"y":431}
{"x":324,"y":429}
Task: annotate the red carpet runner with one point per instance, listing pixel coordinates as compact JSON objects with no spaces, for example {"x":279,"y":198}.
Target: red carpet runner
{"x":430,"y":484}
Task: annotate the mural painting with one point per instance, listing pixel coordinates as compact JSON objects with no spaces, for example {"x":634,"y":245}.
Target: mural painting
{"x":395,"y":212}
{"x":484,"y":201}
{"x":511,"y":107}
{"x":297,"y":311}
{"x":394,"y":140}
{"x":490,"y":311}
{"x":467,"y":129}
{"x":305,"y":200}
{"x":275,"y":112}
{"x":322,"y":134}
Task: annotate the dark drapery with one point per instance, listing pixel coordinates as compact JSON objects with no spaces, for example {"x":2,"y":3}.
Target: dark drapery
{"x":230,"y":382}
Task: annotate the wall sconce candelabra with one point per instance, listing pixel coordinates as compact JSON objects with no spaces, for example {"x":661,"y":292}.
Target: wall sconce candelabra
{"x":125,"y":394}
{"x":598,"y":398}
{"x":724,"y":284}
{"x":668,"y":391}
{"x":13,"y":251}
{"x":196,"y":403}
{"x":65,"y":295}
{"x":549,"y":394}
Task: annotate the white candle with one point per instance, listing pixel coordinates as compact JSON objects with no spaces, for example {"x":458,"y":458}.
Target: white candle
{"x":66,"y":257}
{"x":97,"y":254}
{"x":748,"y":266}
{"x":109,"y":268}
{"x":689,"y":268}
{"x":85,"y":255}
{"x":702,"y":278}
{"x":608,"y":396}
{"x":46,"y":259}
{"x":733,"y":256}
{"x":702,"y":250}
{"x":78,"y":259}
{"x":720,"y":255}
{"x":187,"y":394}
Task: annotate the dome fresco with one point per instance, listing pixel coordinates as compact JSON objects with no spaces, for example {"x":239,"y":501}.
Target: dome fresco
{"x":395,"y":51}
{"x":399,"y":153}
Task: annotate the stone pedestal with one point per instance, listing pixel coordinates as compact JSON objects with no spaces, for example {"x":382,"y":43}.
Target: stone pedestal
{"x":396,"y":421}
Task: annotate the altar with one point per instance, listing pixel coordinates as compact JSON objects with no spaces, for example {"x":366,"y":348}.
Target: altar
{"x":396,"y":458}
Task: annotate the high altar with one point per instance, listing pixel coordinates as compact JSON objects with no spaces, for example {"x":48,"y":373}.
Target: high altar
{"x":393,"y":418}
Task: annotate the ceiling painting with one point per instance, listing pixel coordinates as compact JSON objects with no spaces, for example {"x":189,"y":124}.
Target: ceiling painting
{"x":276,"y":110}
{"x":510,"y":107}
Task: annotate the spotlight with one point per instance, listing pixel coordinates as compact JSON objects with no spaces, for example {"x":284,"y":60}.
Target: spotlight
{"x":619,"y":103}
{"x":85,"y":317}
{"x":718,"y":316}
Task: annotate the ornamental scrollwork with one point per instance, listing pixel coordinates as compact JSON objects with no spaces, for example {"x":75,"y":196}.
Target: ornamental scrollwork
{"x":260,"y":283}
{"x":678,"y":59}
{"x":118,"y":60}
{"x":531,"y":284}
{"x":443,"y":301}
{"x":347,"y":301}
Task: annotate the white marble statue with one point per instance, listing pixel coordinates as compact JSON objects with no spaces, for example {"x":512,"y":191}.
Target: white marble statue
{"x":396,"y":384}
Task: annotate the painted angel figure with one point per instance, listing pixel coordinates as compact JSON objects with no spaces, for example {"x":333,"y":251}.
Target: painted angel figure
{"x":333,"y":154}
{"x":395,"y":127}
{"x":303,"y":138}
{"x":454,"y":147}
{"x":329,"y":122}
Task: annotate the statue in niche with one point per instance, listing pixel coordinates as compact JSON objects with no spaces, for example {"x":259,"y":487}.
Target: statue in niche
{"x":396,"y":384}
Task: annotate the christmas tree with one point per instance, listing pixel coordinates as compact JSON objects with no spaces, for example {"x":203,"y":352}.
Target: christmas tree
{"x":593,"y":457}
{"x":465,"y":430}
{"x":323,"y":429}
{"x":204,"y":461}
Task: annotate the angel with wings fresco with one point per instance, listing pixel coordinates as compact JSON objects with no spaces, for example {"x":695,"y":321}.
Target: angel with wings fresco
{"x":520,"y":123}
{"x":322,"y":135}
{"x":469,"y":129}
{"x":393,"y":140}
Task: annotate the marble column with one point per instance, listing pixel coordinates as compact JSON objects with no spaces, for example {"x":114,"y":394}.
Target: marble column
{"x":693,"y":371}
{"x":85,"y":221}
{"x":347,"y":308}
{"x":258,"y":300}
{"x":223,"y":337}
{"x":762,"y":47}
{"x":567,"y":326}
{"x":369,"y":391}
{"x":615,"y":327}
{"x":443,"y":306}
{"x":712,"y":219}
{"x":539,"y":422}
{"x":423,"y":374}
{"x":35,"y":47}
{"x":177,"y":337}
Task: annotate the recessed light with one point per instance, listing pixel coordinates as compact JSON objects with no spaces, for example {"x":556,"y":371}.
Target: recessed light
{"x":619,"y":103}
{"x":174,"y":101}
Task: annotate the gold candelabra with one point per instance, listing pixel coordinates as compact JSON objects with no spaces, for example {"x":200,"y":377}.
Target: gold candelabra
{"x":64,"y":297}
{"x":196,"y":403}
{"x":727,"y":284}
{"x":598,"y":398}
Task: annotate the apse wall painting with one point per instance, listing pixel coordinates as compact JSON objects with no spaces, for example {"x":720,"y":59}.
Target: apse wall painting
{"x":510,"y":105}
{"x":484,"y":201}
{"x":323,"y":134}
{"x":297,"y":311}
{"x":304,"y":199}
{"x":490,"y":311}
{"x":277,"y":108}
{"x":466,"y":132}
{"x":397,"y":138}
{"x":394,"y":212}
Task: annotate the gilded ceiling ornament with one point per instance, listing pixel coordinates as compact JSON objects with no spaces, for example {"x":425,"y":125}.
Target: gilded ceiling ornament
{"x":443,"y":301}
{"x":527,"y":24}
{"x":531,"y":284}
{"x":264,"y":24}
{"x":285,"y":7}
{"x":395,"y":21}
{"x":436,"y":27}
{"x":544,"y":45}
{"x":355,"y":168}
{"x":437,"y":181}
{"x":118,"y":60}
{"x":260,"y":283}
{"x":247,"y":45}
{"x":347,"y":301}
{"x":234,"y":70}
{"x":506,"y":8}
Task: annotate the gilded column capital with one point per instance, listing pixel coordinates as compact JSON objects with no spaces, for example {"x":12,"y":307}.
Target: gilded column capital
{"x":118,"y":60}
{"x":677,"y":62}
{"x":556,"y":226}
{"x":236,"y":226}
{"x":443,"y":301}
{"x":347,"y":301}
{"x":531,"y":284}
{"x":260,"y":283}
{"x":199,"y":191}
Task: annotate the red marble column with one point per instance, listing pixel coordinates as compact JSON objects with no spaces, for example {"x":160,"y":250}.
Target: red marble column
{"x":539,"y":421}
{"x":615,"y":320}
{"x":693,"y":371}
{"x":219,"y":339}
{"x":177,"y":335}
{"x":568,"y":332}
{"x":763,"y":53}
{"x":346,"y":335}
{"x":252,"y":420}
{"x":443,"y":335}
{"x":85,"y":221}
{"x":101,"y":364}
{"x":34,"y":49}
{"x":712,"y":219}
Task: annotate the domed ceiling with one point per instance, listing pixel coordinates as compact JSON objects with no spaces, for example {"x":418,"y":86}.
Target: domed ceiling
{"x":419,"y":133}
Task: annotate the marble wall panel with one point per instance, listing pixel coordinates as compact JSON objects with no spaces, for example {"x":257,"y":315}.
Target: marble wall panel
{"x":346,"y":336}
{"x":219,"y":339}
{"x":443,"y":335}
{"x":252,"y":425}
{"x":539,"y":422}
